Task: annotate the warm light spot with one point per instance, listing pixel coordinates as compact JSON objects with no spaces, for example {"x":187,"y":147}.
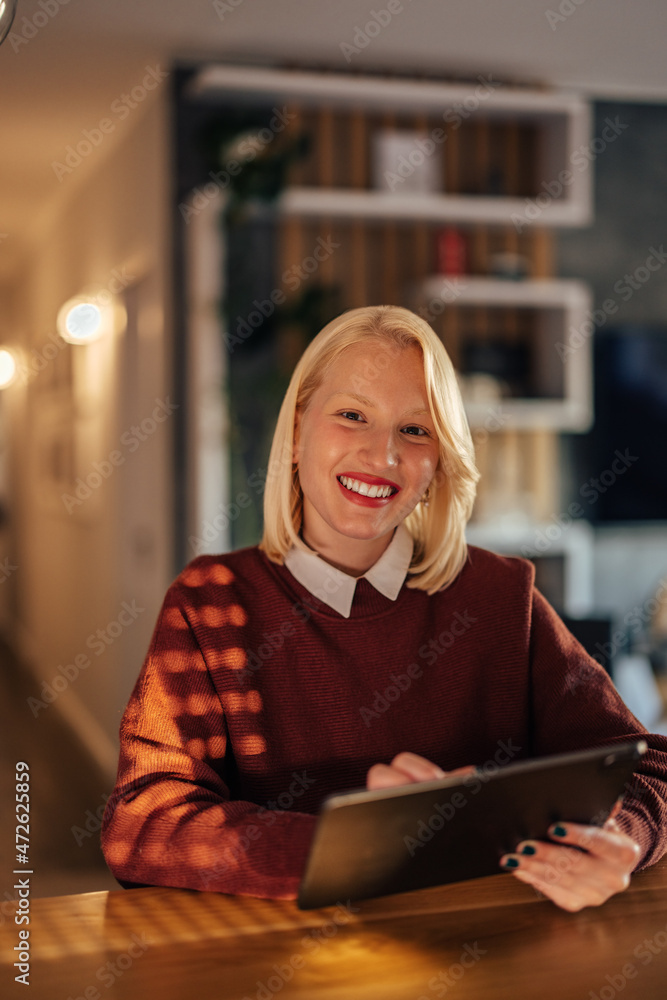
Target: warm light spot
{"x":199,"y":853}
{"x":216,"y":617}
{"x":195,"y":576}
{"x":251,"y":746}
{"x":173,"y":661}
{"x":236,"y":614}
{"x":174,"y":618}
{"x":216,"y":746}
{"x":118,"y":852}
{"x":251,"y":702}
{"x":212,"y":616}
{"x":233,"y":657}
{"x":254,"y":700}
{"x":221,"y":574}
{"x":197,"y":704}
{"x":196,"y":748}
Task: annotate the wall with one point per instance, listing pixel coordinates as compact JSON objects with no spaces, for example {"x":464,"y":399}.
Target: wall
{"x":83,"y":562}
{"x":630,"y":220}
{"x":630,"y":214}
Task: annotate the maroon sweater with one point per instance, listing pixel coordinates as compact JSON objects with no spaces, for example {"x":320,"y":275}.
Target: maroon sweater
{"x":256,"y":701}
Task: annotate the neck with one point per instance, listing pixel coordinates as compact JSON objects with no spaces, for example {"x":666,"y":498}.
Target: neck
{"x":354,"y":558}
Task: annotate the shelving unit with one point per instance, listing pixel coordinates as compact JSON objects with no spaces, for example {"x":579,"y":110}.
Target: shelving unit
{"x":510,"y":168}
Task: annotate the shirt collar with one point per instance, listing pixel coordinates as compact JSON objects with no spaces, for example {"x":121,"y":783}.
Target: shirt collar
{"x":336,"y":589}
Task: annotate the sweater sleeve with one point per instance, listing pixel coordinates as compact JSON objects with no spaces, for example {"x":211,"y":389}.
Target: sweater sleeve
{"x":576,"y":705}
{"x":170,"y":819}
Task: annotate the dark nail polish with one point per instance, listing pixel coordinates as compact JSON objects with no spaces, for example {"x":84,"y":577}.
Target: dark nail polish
{"x":528,"y":849}
{"x":559,"y":831}
{"x":511,"y":863}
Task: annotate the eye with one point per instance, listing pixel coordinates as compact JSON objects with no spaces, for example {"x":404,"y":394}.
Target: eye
{"x":350,"y":415}
{"x":415,"y":431}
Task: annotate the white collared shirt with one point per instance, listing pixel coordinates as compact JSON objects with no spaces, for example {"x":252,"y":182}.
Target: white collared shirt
{"x":336,"y":589}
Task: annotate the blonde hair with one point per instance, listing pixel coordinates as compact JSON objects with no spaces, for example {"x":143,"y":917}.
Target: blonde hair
{"x":438,"y":529}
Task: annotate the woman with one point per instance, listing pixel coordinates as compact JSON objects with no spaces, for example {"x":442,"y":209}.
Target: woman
{"x":361,"y":642}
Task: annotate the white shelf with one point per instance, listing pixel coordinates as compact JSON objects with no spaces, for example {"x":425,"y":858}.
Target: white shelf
{"x":567,"y":381}
{"x":545,"y":293}
{"x":472,"y":209}
{"x":354,"y":90}
{"x":563,"y":120}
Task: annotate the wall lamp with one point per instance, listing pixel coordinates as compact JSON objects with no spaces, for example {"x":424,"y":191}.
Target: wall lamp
{"x":8,"y":368}
{"x":7,"y":12}
{"x":89,"y":316}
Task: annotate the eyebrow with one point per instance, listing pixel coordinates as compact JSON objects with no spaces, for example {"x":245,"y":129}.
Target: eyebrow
{"x":367,"y":402}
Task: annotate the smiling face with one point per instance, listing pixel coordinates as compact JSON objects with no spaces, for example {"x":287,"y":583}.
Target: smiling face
{"x":366,"y":450}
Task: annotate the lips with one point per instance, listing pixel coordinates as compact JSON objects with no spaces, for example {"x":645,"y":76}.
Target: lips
{"x":371,"y":487}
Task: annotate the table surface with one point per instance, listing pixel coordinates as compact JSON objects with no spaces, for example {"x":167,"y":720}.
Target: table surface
{"x":488,"y":938}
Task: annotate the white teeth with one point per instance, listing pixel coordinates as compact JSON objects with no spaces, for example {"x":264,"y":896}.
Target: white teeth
{"x":364,"y":489}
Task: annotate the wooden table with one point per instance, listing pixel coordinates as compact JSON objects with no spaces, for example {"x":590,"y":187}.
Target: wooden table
{"x":491,"y":938}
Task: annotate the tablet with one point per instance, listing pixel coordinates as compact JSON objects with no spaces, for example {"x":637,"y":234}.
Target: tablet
{"x":376,"y":843}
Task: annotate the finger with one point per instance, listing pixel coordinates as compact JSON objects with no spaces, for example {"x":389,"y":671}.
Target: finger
{"x":613,"y":845}
{"x":565,"y":898}
{"x":587,"y":882}
{"x":383,"y":776}
{"x":574,"y":881}
{"x":416,"y":768}
{"x":577,"y":873}
{"x":420,"y":769}
{"x":406,"y":768}
{"x":469,"y":769}
{"x":609,"y":868}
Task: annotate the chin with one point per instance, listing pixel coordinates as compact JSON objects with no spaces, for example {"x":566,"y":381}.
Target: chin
{"x":365,"y":533}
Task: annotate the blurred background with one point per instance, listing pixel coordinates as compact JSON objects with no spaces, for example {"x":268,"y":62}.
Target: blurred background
{"x":188,"y":193}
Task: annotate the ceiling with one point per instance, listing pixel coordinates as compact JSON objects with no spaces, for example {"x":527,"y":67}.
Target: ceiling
{"x":65,"y":77}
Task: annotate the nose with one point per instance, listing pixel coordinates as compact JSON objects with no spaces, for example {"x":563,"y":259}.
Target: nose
{"x":380,"y":450}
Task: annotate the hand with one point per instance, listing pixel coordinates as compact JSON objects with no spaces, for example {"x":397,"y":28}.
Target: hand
{"x":406,"y":768}
{"x":575,"y":879}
